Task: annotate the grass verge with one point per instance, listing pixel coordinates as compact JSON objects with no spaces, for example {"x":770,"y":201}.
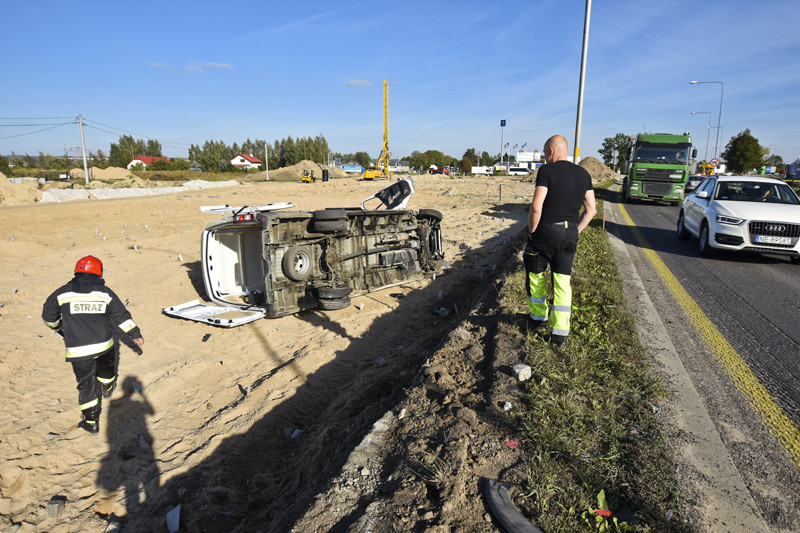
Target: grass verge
{"x":591,"y":416}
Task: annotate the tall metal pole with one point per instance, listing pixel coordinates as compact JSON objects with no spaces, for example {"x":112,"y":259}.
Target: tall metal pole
{"x":83,"y":149}
{"x":502,"y":133}
{"x":587,"y":17}
{"x":719,"y":118}
{"x":266,"y":159}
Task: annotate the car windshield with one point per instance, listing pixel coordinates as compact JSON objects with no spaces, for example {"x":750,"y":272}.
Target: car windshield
{"x":662,"y":154}
{"x":754,"y":191}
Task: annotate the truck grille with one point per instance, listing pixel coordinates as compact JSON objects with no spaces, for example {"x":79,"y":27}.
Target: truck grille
{"x":774,"y":229}
{"x":656,"y":189}
{"x":656,"y":174}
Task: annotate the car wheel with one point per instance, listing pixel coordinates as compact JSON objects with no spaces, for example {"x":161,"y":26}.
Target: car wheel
{"x":329,"y":226}
{"x":430,"y":213}
{"x":705,"y":247}
{"x":683,"y":233}
{"x":296,"y":263}
{"x":333,"y":293}
{"x":795,"y":259}
{"x":330,"y":214}
{"x":333,"y":304}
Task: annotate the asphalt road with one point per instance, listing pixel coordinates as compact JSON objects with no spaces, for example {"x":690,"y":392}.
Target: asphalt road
{"x":753,"y":300}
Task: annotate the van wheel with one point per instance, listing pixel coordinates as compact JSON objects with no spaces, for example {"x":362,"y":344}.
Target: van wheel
{"x":329,"y":226}
{"x":705,"y":247}
{"x":330,"y":214}
{"x":682,"y":232}
{"x":333,"y":304}
{"x":296,"y":263}
{"x":333,"y":293}
{"x":430,"y":213}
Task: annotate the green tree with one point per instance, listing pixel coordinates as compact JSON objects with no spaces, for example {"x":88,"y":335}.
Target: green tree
{"x":485,"y":159}
{"x":618,"y":142}
{"x":4,"y":167}
{"x":121,"y":153}
{"x":468,"y":160}
{"x":743,"y":153}
{"x":363,"y":159}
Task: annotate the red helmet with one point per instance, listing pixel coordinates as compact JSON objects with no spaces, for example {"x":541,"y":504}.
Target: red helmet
{"x":89,"y":264}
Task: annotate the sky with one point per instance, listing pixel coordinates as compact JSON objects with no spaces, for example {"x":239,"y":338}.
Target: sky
{"x":187,"y":72}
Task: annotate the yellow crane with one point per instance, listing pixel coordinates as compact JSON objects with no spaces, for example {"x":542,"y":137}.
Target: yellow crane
{"x":384,"y":155}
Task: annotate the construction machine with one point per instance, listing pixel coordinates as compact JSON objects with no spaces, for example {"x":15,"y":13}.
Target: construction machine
{"x":308,"y":176}
{"x":383,"y":158}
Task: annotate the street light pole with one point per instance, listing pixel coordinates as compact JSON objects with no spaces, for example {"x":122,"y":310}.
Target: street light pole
{"x":708,"y":131}
{"x":719,"y":118}
{"x":578,"y":120}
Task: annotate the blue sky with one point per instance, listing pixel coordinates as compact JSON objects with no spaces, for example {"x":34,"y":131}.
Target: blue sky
{"x":187,"y":72}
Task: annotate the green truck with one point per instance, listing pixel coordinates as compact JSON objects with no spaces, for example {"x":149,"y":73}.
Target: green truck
{"x":657,"y":167}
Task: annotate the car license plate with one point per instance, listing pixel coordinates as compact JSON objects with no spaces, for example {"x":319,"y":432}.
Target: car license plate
{"x":766,"y":239}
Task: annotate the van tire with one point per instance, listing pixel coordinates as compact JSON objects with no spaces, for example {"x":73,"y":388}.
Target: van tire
{"x":329,"y":226}
{"x":333,"y":304}
{"x":430,"y":213}
{"x":330,"y":214}
{"x":333,"y":293}
{"x":296,"y":263}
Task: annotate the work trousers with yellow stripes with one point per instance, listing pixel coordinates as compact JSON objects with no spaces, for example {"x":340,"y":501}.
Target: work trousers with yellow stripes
{"x":91,"y":373}
{"x":554,"y":245}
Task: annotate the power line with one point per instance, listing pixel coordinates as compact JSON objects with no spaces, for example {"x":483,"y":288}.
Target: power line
{"x":132,"y":133}
{"x":37,"y":131}
{"x":164,"y":143}
{"x":33,"y":118}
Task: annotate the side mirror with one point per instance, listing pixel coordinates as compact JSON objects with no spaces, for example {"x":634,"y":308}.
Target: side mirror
{"x":702,"y":194}
{"x":694,"y":153}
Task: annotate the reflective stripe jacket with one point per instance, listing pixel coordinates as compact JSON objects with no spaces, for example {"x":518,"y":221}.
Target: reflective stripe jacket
{"x":86,"y":311}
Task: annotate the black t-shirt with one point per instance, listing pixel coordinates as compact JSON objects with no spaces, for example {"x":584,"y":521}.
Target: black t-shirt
{"x":566,"y":184}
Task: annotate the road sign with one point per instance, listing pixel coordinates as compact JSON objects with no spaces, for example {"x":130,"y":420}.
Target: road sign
{"x":714,"y":161}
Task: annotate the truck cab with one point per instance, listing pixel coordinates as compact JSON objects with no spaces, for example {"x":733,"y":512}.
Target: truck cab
{"x":658,"y":167}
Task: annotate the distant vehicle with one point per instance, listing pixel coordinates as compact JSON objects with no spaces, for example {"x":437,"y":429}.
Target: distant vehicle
{"x":693,"y":181}
{"x":793,"y":171}
{"x":518,"y":171}
{"x":263,"y":262}
{"x":487,"y":171}
{"x":195,"y":169}
{"x":438,"y":170}
{"x":308,"y":176}
{"x":742,"y":213}
{"x":657,"y":167}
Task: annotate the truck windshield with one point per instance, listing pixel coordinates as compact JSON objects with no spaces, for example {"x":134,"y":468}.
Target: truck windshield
{"x":662,"y":154}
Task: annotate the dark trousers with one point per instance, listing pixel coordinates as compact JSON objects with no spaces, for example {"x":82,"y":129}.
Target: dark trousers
{"x":90,"y":372}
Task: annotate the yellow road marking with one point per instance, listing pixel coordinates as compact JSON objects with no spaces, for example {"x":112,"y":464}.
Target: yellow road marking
{"x":777,"y":422}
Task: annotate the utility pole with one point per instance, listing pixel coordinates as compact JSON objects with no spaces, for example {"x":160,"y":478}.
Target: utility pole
{"x":83,"y":150}
{"x":266,"y":159}
{"x":576,"y":157}
{"x":502,"y":138}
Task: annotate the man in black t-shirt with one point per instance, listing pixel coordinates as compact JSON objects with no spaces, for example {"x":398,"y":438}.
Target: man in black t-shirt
{"x":554,"y":222}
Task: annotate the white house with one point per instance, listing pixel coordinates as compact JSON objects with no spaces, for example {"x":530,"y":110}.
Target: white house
{"x":144,"y":160}
{"x":246,"y":161}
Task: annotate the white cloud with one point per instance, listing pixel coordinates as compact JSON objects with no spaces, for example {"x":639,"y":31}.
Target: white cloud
{"x":357,"y":83}
{"x":159,"y":65}
{"x":199,"y":66}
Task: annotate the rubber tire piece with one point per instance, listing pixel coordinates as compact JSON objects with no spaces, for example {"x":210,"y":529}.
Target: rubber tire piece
{"x":296,"y":263}
{"x":704,"y":246}
{"x":333,"y":304}
{"x":683,"y":233}
{"x":430,"y":213}
{"x":330,"y":214}
{"x":329,"y":226}
{"x":333,"y":293}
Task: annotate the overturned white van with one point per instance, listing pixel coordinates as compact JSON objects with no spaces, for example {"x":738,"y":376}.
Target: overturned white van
{"x":265,"y":262}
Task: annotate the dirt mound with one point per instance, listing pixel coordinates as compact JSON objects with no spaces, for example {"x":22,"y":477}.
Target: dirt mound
{"x":597,"y":169}
{"x":106,"y":174}
{"x":18,"y":193}
{"x":295,"y":172}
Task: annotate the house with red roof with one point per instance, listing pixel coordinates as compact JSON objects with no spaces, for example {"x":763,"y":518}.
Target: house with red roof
{"x":145,"y":160}
{"x":246,"y":161}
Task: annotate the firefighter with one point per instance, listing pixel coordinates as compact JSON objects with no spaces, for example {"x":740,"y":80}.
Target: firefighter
{"x":83,"y":313}
{"x":554,"y":222}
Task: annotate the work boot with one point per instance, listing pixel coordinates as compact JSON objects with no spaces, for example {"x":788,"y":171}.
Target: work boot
{"x":534,"y":325}
{"x":92,"y":426}
{"x":91,"y":419}
{"x":558,"y":340}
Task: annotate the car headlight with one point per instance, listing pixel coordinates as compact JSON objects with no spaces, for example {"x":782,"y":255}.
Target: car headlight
{"x":731,"y":221}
